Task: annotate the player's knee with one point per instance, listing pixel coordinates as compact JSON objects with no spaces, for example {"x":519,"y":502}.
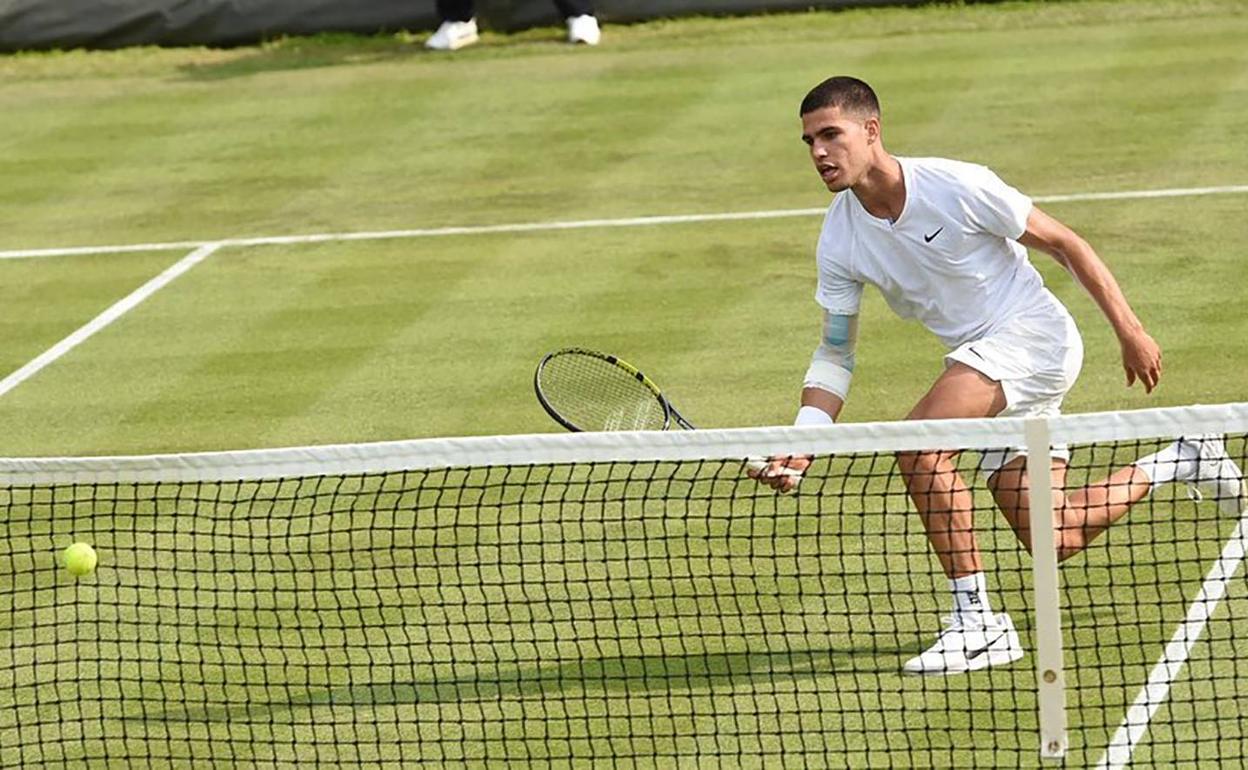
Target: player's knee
{"x":1070,"y":542}
{"x":1065,"y":549}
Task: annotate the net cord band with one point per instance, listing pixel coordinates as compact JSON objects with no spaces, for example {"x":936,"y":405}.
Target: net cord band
{"x":533,"y":449}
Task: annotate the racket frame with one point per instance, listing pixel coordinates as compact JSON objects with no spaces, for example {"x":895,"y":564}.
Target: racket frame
{"x":669,"y":411}
{"x":670,"y":414}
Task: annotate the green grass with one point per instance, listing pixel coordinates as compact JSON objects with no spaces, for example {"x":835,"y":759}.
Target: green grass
{"x":369,"y":340}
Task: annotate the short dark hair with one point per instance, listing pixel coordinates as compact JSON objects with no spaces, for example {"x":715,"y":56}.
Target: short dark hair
{"x":846,"y":93}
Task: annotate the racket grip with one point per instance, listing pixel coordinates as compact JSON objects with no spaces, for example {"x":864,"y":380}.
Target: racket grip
{"x":758,"y":465}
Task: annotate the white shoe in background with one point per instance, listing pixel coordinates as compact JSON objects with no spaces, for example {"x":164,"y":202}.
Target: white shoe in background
{"x":584,"y":29}
{"x":453,"y":35}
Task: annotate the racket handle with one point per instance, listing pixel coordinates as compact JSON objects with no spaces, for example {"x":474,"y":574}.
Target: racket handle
{"x":758,"y":465}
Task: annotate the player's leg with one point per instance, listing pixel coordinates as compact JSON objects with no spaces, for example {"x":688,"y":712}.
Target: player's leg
{"x":944,"y":502}
{"x":1084,"y":513}
{"x":974,"y":637}
{"x":1028,"y":364}
{"x":1080,"y":514}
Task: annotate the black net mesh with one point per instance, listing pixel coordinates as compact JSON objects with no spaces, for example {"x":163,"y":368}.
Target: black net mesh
{"x":1155,"y":614}
{"x":624,"y":614}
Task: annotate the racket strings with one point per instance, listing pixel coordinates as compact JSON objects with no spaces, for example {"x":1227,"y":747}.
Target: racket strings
{"x":597,"y":395}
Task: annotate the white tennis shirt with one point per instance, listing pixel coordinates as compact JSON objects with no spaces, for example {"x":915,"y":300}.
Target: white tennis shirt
{"x":950,"y":259}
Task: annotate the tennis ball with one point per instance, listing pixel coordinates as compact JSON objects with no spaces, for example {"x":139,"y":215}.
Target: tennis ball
{"x":80,"y":559}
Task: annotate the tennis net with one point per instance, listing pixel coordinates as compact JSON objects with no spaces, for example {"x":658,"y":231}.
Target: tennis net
{"x":615,"y":600}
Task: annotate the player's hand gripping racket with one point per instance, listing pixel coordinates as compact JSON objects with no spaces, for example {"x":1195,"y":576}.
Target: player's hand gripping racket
{"x":584,"y":390}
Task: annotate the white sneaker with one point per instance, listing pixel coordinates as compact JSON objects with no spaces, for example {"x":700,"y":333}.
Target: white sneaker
{"x":1217,"y":475}
{"x":584,"y":29}
{"x":453,"y":35}
{"x":966,"y":647}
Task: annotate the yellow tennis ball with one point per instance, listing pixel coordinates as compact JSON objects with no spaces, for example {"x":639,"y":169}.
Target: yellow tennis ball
{"x":80,"y":559}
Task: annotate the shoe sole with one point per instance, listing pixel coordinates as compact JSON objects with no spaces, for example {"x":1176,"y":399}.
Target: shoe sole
{"x":456,"y":44}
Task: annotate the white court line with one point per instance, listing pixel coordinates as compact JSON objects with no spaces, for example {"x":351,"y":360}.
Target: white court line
{"x":1135,"y":724}
{"x":529,"y":227}
{"x":120,"y":308}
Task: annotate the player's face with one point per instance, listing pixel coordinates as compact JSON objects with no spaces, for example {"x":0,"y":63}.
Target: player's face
{"x":840,"y":145}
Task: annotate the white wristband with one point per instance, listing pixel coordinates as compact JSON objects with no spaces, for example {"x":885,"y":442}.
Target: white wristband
{"x":812,"y":415}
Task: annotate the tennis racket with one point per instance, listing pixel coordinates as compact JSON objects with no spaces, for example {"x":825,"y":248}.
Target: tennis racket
{"x":584,"y":390}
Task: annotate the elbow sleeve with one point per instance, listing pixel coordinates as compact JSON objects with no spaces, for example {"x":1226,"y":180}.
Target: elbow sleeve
{"x":832,"y":365}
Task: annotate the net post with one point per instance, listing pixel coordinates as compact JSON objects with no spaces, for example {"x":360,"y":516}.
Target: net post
{"x":1051,"y":679}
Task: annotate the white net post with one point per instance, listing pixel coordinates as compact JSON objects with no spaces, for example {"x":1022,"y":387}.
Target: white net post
{"x":1049,"y":670}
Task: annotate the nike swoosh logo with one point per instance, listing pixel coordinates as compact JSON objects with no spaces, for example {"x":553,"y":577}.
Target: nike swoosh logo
{"x":973,"y":654}
{"x":928,"y":238}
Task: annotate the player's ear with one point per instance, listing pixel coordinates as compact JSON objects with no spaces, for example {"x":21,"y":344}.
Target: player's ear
{"x":872,"y":127}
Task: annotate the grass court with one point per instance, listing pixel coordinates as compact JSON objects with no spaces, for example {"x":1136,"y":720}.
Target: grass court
{"x":355,"y":340}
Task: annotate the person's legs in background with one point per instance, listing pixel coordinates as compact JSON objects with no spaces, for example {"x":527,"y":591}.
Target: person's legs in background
{"x":458,"y":28}
{"x":455,"y":10}
{"x":582,"y":24}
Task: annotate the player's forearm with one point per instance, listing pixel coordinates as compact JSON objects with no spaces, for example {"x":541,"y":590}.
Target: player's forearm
{"x":823,"y":400}
{"x":831,"y":368}
{"x":1091,"y":273}
{"x":1046,"y":234}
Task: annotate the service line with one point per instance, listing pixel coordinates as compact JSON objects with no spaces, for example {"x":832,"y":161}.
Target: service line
{"x":583,"y":224}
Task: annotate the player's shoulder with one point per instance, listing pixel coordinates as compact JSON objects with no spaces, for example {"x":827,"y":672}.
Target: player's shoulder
{"x":838,"y":213}
{"x":949,"y":173}
{"x":835,"y":233}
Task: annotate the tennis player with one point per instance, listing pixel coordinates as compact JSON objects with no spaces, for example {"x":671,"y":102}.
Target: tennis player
{"x":946,"y":243}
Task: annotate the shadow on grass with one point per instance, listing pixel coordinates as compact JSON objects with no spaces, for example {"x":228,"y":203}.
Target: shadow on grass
{"x":624,"y":675}
{"x":335,"y":49}
{"x":296,"y":53}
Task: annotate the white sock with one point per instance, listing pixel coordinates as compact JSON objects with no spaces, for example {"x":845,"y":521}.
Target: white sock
{"x":1176,"y":462}
{"x":970,"y":598}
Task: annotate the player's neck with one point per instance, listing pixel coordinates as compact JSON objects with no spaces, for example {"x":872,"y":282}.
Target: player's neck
{"x":882,"y":190}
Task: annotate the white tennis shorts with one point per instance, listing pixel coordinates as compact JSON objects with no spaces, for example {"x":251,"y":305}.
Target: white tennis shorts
{"x":1036,"y":356}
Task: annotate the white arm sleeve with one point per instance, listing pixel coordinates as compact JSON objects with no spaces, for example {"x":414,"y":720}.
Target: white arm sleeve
{"x":832,"y":365}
